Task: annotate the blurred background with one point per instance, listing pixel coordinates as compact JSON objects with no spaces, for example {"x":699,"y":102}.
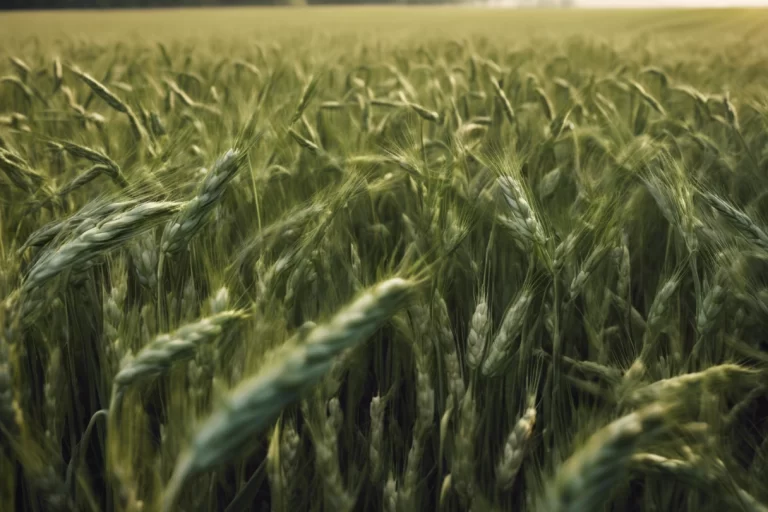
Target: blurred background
{"x":68,"y":4}
{"x":99,"y":4}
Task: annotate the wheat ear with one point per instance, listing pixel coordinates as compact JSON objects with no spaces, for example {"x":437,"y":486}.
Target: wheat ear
{"x":258,"y":400}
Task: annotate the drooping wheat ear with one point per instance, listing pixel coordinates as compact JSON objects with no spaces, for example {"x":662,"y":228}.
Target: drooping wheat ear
{"x":376,"y":442}
{"x":191,"y":218}
{"x":479,"y":330}
{"x":21,"y":67}
{"x":522,"y":219}
{"x":98,"y":240}
{"x":109,"y":166}
{"x":256,"y":401}
{"x":545,"y":102}
{"x":20,"y":86}
{"x":683,"y":387}
{"x":86,"y":218}
{"x":502,"y":345}
{"x":425,"y":113}
{"x":508,"y":110}
{"x":652,"y":102}
{"x":88,"y":176}
{"x":606,"y":373}
{"x":171,"y":349}
{"x":305,"y":143}
{"x":101,"y":91}
{"x":20,"y":173}
{"x":584,"y":481}
{"x":516,"y":447}
{"x":740,"y":220}
{"x":113,"y":101}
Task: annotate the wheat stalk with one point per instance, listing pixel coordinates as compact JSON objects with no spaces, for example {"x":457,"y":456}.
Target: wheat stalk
{"x":515,"y":447}
{"x":479,"y":329}
{"x":256,"y":401}
{"x":191,"y":218}
{"x":168,"y":350}
{"x":97,"y":240}
{"x":584,"y":480}
{"x":502,"y":344}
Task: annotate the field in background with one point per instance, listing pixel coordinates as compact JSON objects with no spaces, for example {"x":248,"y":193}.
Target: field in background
{"x":385,"y":22}
{"x":385,"y":259}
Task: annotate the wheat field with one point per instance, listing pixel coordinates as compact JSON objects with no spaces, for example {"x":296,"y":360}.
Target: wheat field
{"x":384,"y":259}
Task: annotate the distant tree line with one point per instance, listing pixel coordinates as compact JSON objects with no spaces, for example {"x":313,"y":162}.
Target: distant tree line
{"x":111,"y":4}
{"x":141,"y":4}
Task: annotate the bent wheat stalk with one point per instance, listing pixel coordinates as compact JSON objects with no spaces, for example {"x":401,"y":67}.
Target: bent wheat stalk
{"x":170,"y":349}
{"x":584,"y":480}
{"x":258,"y":400}
{"x":96,"y":241}
{"x":180,"y":231}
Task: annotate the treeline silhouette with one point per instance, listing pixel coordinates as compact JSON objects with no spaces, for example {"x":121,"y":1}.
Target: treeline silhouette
{"x":114,"y":4}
